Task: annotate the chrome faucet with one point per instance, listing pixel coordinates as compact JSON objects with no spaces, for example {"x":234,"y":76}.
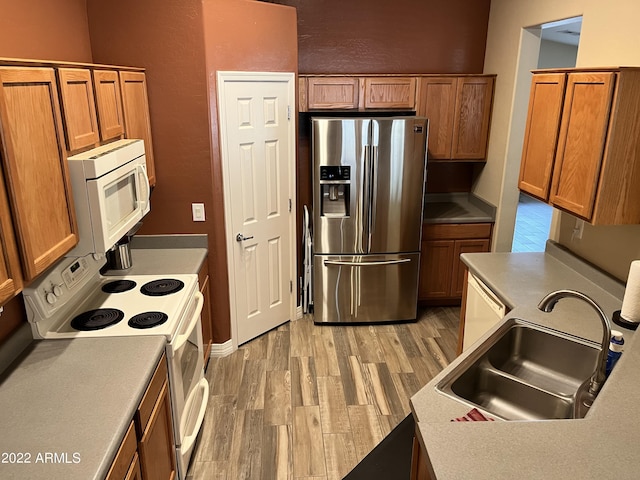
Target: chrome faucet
{"x":547,"y":304}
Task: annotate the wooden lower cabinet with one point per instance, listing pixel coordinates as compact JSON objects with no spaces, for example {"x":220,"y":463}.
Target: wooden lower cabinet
{"x":441,"y":271}
{"x":147,"y":451}
{"x":207,"y":327}
{"x":419,"y":462}
{"x":157,"y":455}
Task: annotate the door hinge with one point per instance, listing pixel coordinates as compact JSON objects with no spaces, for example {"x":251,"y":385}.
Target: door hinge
{"x":289,"y":205}
{"x":290,"y":286}
{"x":288,"y":112}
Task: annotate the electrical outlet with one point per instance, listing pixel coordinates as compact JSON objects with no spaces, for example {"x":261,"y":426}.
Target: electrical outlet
{"x":577,"y":230}
{"x":197,"y":211}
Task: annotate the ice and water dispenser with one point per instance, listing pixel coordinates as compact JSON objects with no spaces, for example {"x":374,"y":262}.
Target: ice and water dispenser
{"x":335,"y":183}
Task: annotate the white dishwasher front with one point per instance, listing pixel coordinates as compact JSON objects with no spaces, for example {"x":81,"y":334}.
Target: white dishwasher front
{"x":483,"y":310}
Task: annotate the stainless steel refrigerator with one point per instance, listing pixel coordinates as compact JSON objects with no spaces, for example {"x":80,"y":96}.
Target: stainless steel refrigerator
{"x":368,"y":190}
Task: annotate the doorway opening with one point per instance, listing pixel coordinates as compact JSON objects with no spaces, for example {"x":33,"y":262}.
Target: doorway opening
{"x":558,"y":49}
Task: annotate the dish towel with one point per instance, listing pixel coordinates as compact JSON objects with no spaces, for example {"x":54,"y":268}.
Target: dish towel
{"x":473,"y":415}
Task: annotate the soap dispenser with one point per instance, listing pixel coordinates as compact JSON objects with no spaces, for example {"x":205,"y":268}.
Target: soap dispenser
{"x":615,"y":350}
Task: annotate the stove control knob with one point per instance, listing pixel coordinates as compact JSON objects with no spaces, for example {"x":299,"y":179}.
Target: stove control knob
{"x":51,"y":298}
{"x":57,"y":291}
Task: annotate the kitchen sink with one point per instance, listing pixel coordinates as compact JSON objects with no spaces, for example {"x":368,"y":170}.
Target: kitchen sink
{"x":525,"y":371}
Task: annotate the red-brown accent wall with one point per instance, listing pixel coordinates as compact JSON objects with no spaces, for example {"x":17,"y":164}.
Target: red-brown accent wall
{"x":181,"y":44}
{"x":45,"y":30}
{"x":399,"y":36}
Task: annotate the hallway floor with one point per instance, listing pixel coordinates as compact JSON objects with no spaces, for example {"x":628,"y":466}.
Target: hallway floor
{"x":309,"y":402}
{"x":533,"y":222}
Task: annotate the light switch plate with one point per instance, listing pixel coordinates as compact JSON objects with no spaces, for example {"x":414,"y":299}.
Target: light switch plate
{"x":197,"y":210}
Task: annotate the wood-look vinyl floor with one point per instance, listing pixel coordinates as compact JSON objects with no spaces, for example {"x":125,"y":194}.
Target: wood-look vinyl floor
{"x":308,"y":402}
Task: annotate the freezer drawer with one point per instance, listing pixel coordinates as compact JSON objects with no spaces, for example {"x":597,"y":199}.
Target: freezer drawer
{"x":365,"y":288}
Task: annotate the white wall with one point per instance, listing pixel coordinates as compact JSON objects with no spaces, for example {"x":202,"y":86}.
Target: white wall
{"x":557,"y":55}
{"x":609,"y":36}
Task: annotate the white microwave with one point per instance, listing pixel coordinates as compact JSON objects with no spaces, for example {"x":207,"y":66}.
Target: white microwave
{"x":111,"y":194}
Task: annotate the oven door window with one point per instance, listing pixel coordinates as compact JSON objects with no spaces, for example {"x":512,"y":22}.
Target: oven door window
{"x":190,"y":360}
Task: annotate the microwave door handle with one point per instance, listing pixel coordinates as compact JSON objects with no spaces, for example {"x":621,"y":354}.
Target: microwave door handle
{"x":183,"y":337}
{"x":142,"y":172}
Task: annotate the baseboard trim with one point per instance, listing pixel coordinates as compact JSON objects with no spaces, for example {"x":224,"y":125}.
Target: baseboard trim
{"x":221,"y":349}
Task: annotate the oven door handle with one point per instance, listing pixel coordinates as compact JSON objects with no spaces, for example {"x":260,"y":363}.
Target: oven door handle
{"x":193,"y":321}
{"x":189,"y":440}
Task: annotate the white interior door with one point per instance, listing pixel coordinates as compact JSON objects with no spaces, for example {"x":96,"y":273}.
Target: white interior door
{"x":258,"y":143}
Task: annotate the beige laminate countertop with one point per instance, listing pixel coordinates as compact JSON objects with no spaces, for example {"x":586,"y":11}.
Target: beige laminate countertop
{"x":601,"y":445}
{"x":457,"y":208}
{"x":73,"y":398}
{"x":165,"y":254}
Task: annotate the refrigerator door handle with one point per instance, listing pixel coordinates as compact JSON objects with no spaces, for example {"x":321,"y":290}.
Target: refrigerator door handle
{"x":373,"y":192}
{"x":366,"y":199}
{"x":365,"y":264}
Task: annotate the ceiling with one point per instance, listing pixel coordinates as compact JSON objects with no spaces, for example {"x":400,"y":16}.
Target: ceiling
{"x":563,"y":31}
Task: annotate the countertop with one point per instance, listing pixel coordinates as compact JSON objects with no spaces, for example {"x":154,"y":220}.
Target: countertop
{"x":457,"y":208}
{"x":74,"y":398}
{"x":598,"y":446}
{"x":165,"y":254}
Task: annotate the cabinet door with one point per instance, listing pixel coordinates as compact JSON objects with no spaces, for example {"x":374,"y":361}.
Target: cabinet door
{"x":109,"y":101}
{"x":134,"y":472}
{"x":10,"y":276}
{"x":157,"y":455}
{"x":436,"y":259}
{"x":126,"y":457}
{"x":79,"y":107}
{"x":437,"y":103}
{"x":464,"y":246}
{"x":390,"y":92}
{"x":136,"y":115}
{"x":332,"y":92}
{"x":471,"y":118}
{"x":541,"y":134}
{"x":35,"y":167}
{"x":583,"y":134}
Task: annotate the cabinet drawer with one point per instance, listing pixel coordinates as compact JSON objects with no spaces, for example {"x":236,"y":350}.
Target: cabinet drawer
{"x":151,"y":395}
{"x":125,"y":456}
{"x":455,"y":231}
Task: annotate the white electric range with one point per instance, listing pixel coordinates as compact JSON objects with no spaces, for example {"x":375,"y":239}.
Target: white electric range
{"x":73,"y":300}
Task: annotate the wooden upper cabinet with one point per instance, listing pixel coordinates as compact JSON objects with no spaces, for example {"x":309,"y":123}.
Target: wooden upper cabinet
{"x":437,"y":103}
{"x":35,"y":167}
{"x":136,"y":114}
{"x":583,"y":134}
{"x":109,"y":101}
{"x":389,"y":92}
{"x":79,"y":108}
{"x":459,"y":112}
{"x":474,"y":96}
{"x":325,"y":93}
{"x":10,"y":276}
{"x":541,"y":134}
{"x":594,"y":166}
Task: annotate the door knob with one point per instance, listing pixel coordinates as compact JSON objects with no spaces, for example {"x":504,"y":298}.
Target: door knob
{"x":240,"y":237}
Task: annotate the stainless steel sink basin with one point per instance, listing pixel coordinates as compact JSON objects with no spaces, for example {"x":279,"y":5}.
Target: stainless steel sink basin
{"x":525,"y":372}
